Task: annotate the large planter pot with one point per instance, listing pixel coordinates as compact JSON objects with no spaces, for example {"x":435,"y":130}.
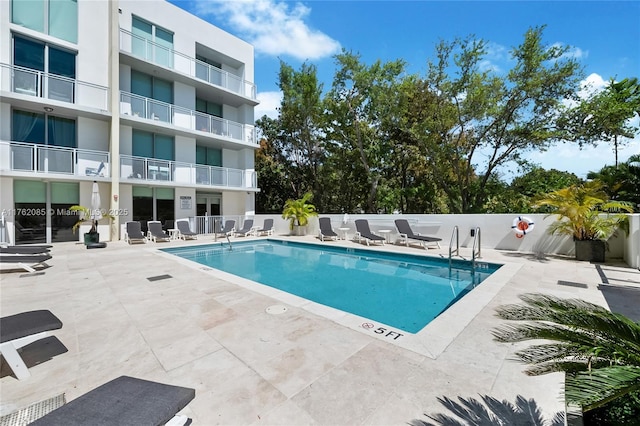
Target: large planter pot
{"x":299,"y":230}
{"x":590,"y":250}
{"x":91,"y":238}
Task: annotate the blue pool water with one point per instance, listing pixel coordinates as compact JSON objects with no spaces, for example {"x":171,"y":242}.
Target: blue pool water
{"x":399,"y":290}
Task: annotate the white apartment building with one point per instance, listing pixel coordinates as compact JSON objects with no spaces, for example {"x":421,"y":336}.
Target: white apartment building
{"x":151,"y":102}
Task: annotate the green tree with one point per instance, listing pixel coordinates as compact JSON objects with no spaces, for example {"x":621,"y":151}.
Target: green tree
{"x":538,"y":181}
{"x":622,"y":182}
{"x":483,"y":121}
{"x":359,"y":98}
{"x":598,"y":350}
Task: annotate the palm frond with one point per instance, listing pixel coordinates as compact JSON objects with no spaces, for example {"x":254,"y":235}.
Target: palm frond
{"x":594,"y":389}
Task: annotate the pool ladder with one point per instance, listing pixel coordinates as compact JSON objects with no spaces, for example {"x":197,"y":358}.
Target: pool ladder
{"x":476,"y":254}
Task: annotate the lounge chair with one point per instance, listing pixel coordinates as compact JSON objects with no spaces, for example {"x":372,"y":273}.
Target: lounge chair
{"x":134,"y":233}
{"x":156,"y":233}
{"x":28,"y":262}
{"x":124,"y":401}
{"x":363,"y":232}
{"x":326,"y":232}
{"x":267,"y":228}
{"x":406,"y":234}
{"x":247,"y":229}
{"x":24,"y":250}
{"x":185,"y":232}
{"x":17,"y":331}
{"x":229,"y":227}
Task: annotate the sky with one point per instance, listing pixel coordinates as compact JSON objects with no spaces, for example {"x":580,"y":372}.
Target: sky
{"x":604,"y":36}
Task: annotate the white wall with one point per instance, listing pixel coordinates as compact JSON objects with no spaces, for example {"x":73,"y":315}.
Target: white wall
{"x":496,"y":232}
{"x":181,"y":213}
{"x":93,"y":134}
{"x":6,"y":206}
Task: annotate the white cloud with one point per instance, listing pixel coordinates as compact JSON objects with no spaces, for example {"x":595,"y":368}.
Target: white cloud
{"x":269,"y":104}
{"x":573,"y":52}
{"x":273,"y":27}
{"x":495,"y":54}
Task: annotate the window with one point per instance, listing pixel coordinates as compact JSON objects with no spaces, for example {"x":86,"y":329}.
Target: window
{"x":156,"y":147}
{"x":58,"y":18}
{"x":152,"y":204}
{"x":42,"y":129}
{"x":208,"y":156}
{"x":151,"y":42}
{"x":154,"y":88}
{"x":204,"y":121}
{"x":35,"y":58}
{"x":208,"y":70}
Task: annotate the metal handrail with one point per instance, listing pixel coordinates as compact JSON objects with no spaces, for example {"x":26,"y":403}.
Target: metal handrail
{"x":27,"y":81}
{"x":476,"y":255}
{"x":455,"y":252}
{"x":183,"y":63}
{"x":152,"y":109}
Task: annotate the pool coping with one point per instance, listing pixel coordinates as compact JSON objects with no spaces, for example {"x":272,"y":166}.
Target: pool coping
{"x":431,"y":341}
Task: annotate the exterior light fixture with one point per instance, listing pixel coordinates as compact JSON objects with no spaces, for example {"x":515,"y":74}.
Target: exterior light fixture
{"x":48,"y":109}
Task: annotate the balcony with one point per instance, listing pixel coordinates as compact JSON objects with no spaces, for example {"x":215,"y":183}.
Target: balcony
{"x":40,"y":84}
{"x":36,"y":158}
{"x":153,"y":169}
{"x":151,"y":109}
{"x":157,"y":54}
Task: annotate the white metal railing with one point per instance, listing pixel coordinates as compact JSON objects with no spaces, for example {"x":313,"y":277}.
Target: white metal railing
{"x":208,"y":225}
{"x":37,"y":158}
{"x":454,"y":252}
{"x":476,"y":239}
{"x":32,"y":82}
{"x":144,"y":168}
{"x":162,"y":55}
{"x":151,"y":109}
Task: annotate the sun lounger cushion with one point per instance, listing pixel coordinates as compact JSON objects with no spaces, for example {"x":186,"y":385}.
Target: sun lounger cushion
{"x":27,"y":323}
{"x":23,"y":250}
{"x":122,"y":401}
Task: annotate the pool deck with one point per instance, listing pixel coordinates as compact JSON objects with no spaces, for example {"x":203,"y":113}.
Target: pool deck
{"x":301,"y":367}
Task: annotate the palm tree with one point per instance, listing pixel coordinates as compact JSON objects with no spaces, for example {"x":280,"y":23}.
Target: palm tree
{"x":299,"y":211}
{"x":579,"y":210}
{"x":599,"y":350}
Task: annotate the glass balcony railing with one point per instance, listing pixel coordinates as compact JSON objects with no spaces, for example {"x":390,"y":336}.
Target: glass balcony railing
{"x":31,"y":82}
{"x":167,"y":57}
{"x":151,"y":109}
{"x":37,"y":158}
{"x":153,"y":169}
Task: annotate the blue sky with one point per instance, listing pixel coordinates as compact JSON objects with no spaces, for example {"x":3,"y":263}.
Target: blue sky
{"x":604,"y":36}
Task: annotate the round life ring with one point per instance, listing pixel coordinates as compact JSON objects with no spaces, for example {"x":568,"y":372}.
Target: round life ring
{"x":522,"y":226}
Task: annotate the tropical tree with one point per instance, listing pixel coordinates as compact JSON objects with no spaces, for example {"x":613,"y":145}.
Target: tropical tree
{"x":482,"y":120}
{"x":622,"y":182}
{"x":598,"y":350}
{"x":585,"y":212}
{"x":298,"y":212}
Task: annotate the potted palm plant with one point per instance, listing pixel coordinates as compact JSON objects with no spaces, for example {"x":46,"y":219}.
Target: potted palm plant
{"x":585,"y":212}
{"x":298,"y":212}
{"x":85,"y":216}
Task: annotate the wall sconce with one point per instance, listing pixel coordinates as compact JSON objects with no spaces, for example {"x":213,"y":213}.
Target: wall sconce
{"x":48,"y":109}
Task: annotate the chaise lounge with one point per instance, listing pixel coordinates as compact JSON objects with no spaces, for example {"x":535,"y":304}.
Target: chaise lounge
{"x":134,"y":233}
{"x":185,"y":232}
{"x":267,"y":228}
{"x":19,"y":330}
{"x":229,"y":227}
{"x":247,"y":229}
{"x":406,"y":234}
{"x":363,"y":232}
{"x":156,"y":233}
{"x":27,"y":262}
{"x":326,"y":232}
{"x":124,"y":401}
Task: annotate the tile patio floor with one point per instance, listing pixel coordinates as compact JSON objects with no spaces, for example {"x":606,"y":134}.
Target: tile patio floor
{"x":252,"y":368}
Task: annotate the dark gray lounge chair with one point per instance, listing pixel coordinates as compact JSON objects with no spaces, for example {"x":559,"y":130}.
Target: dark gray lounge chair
{"x":185,"y":232}
{"x":229,"y":227}
{"x":267,"y":228}
{"x":363,"y":232}
{"x":406,"y":234}
{"x":123,"y":401}
{"x":156,"y":233}
{"x":17,"y":331}
{"x":28,"y":262}
{"x":134,"y":233}
{"x":24,"y":250}
{"x":326,"y":232}
{"x":247,"y":229}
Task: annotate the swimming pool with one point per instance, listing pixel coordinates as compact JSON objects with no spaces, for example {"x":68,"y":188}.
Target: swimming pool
{"x":401,"y":290}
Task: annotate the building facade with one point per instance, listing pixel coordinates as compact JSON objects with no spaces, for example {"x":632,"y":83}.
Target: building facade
{"x":152,"y":103}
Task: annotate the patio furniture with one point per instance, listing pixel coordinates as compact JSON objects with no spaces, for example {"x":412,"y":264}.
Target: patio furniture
{"x":247,"y":229}
{"x":363,"y":232}
{"x":156,"y":233}
{"x":24,"y":250}
{"x":124,"y":401}
{"x":325,"y":229}
{"x":406,"y":234}
{"x":27,"y":262}
{"x":184,"y":231}
{"x":134,"y":233}
{"x":229,"y":227}
{"x":267,"y":228}
{"x":19,"y":330}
